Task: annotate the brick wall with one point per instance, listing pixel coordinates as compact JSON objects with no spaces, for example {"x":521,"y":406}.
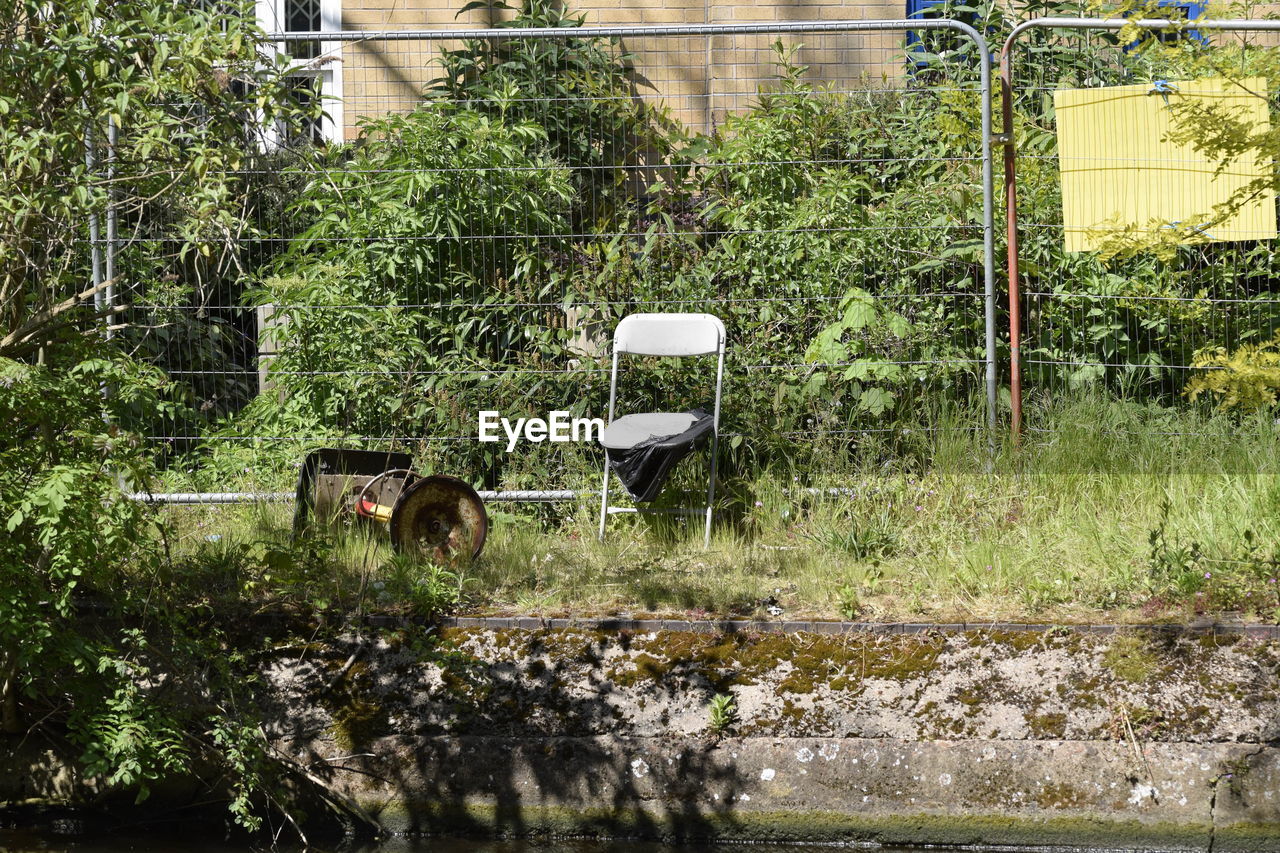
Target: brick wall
{"x":698,"y":78}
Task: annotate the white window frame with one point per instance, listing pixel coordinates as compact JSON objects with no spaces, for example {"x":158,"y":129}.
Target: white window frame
{"x":326,"y":66}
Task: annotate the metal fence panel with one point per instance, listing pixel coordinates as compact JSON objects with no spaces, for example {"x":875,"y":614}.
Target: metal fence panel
{"x":1135,"y":327}
{"x":491,"y":202}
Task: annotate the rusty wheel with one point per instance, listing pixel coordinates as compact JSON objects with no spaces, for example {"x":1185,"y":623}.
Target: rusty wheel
{"x":441,"y":518}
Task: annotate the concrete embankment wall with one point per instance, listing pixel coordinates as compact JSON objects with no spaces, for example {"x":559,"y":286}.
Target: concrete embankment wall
{"x":1142,"y":741}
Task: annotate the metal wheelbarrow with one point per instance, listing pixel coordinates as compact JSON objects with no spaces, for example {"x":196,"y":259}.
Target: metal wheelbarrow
{"x":435,"y":516}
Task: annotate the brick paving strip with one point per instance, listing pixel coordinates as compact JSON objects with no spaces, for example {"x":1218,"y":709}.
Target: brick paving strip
{"x":732,"y":626}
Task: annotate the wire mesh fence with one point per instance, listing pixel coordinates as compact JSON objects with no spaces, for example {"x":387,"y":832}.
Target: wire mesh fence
{"x":462,"y":226}
{"x":1145,"y":219}
{"x":473,"y":213}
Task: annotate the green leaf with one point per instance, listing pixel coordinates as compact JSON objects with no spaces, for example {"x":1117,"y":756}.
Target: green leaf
{"x":876,"y":401}
{"x":859,"y":312}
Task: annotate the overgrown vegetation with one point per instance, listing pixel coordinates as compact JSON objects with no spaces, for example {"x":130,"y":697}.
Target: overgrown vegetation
{"x":105,"y":655}
{"x":500,"y":230}
{"x":475,"y":252}
{"x":467,"y":225}
{"x":1083,"y":525}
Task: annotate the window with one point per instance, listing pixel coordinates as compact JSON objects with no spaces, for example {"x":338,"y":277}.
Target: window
{"x":315,"y":65}
{"x":305,"y":90}
{"x":303,"y":16}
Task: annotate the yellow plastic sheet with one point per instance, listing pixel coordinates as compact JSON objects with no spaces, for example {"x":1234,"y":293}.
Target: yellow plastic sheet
{"x":1121,"y":173}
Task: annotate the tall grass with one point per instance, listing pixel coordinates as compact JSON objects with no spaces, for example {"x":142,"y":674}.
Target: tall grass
{"x":1107,"y":510}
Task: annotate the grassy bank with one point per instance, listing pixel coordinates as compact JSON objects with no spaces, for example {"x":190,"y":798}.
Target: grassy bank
{"x":1108,"y":511}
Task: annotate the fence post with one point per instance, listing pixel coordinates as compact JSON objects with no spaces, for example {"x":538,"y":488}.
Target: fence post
{"x":109,"y":293}
{"x":988,"y":239}
{"x":1011,"y":242}
{"x":95,"y":247}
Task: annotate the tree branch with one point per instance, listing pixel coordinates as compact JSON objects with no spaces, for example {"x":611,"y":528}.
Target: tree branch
{"x":45,"y":317}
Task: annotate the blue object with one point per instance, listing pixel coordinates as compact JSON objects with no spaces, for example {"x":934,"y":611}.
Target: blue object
{"x":922,"y":9}
{"x":1164,"y":89}
{"x":1190,"y":10}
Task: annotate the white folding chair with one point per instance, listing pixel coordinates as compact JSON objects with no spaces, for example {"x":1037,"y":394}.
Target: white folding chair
{"x":663,"y":335}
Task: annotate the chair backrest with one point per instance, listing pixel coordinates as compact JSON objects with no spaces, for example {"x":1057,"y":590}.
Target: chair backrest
{"x":669,"y":335}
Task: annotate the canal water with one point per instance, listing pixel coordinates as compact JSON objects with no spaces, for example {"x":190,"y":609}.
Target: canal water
{"x":17,"y":841}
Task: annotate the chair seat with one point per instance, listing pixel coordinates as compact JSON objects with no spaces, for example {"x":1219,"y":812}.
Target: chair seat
{"x":629,"y":431}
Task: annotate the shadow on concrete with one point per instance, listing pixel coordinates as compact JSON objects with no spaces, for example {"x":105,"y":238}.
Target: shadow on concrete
{"x":527,"y":748}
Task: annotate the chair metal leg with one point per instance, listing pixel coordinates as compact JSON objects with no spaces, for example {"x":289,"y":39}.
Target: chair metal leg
{"x":604,"y":499}
{"x":711,"y":489}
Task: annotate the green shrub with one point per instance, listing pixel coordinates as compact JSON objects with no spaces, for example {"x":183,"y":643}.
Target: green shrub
{"x":874,"y":280}
{"x":380,"y":317}
{"x":73,"y":541}
{"x":580,"y":91}
{"x":102,"y":654}
{"x":1245,"y":379}
{"x":439,"y":204}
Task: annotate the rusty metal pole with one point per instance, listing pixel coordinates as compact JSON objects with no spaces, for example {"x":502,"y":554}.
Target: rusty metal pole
{"x":1011,"y":241}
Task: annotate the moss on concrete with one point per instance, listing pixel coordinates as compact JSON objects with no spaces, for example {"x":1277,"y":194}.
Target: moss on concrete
{"x":682,"y":825}
{"x":1051,"y":726}
{"x":1131,"y":658}
{"x":1246,"y":838}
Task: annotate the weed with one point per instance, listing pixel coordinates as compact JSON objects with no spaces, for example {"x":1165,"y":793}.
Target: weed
{"x":1135,"y":723}
{"x":723,"y":714}
{"x":849,"y":602}
{"x":1101,"y":529}
{"x":1171,"y":562}
{"x":862,"y":541}
{"x":428,"y":589}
